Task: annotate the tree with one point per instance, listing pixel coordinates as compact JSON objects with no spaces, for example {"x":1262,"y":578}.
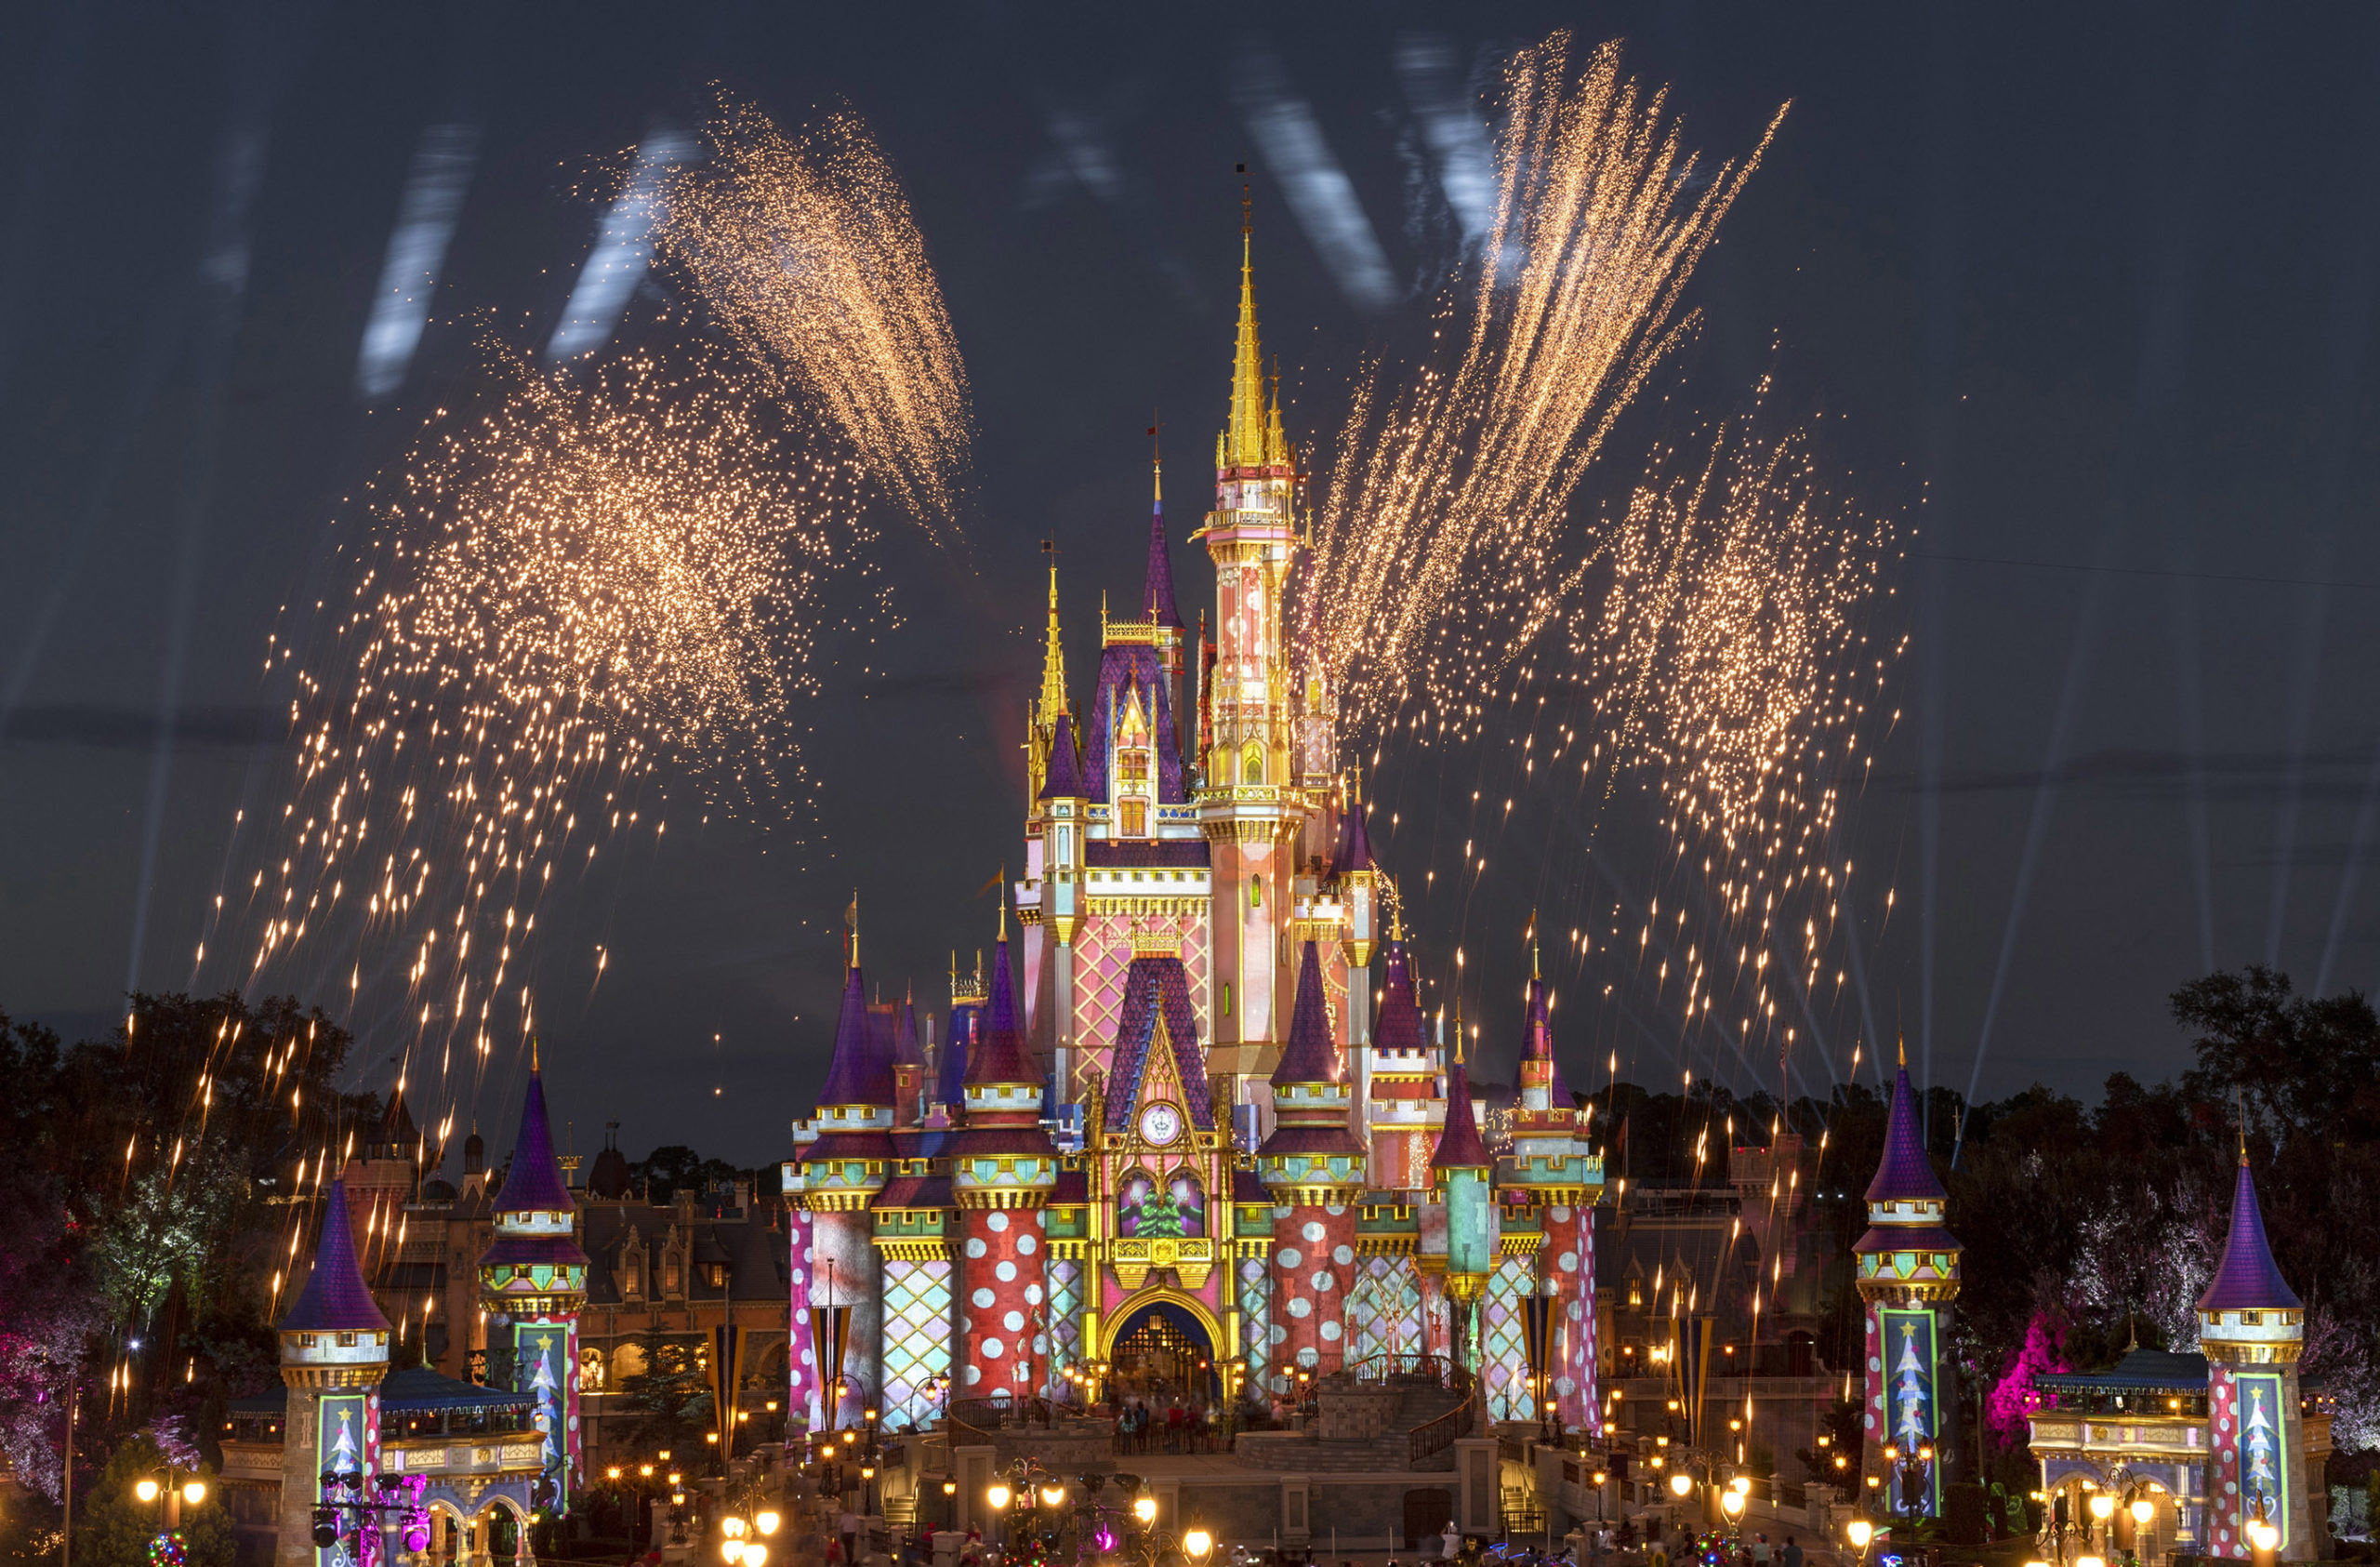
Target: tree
{"x":117,"y":1525}
{"x":2308,"y":1066}
{"x":670,"y":1399}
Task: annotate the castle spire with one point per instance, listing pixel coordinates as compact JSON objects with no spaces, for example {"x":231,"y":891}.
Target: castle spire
{"x":1243,"y":443}
{"x":1054,"y":652}
{"x":1158,"y":606}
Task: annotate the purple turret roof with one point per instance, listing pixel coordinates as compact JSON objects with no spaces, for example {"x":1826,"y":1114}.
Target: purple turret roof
{"x":1356,"y":854}
{"x":907,"y":1049}
{"x":1538,"y":1045}
{"x":858,"y":1074}
{"x":1311,"y":1055}
{"x":1065,"y":767}
{"x":533,"y":1181}
{"x":335,"y":1299}
{"x":998,"y":1055}
{"x":1157,"y":588}
{"x":1458,"y":1144}
{"x":2247,"y":1279}
{"x":1400,"y":1026}
{"x":1906,"y":1174}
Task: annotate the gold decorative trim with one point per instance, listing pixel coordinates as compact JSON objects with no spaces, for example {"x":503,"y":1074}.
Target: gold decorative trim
{"x":913,"y":1248}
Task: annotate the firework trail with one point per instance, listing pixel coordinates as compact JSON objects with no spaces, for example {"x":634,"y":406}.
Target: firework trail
{"x":1440,"y":550}
{"x":593,"y":578}
{"x":803,"y":249}
{"x":604,"y":581}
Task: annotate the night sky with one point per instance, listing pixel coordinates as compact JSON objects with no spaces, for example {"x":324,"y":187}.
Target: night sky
{"x":2081,"y":296}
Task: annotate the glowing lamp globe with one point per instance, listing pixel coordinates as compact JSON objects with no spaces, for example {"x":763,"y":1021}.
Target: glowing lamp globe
{"x":2262,"y":1536}
{"x":194,"y":1492}
{"x":1859,"y":1530}
{"x":733,"y":1527}
{"x":1053,"y":1496}
{"x":2103,"y":1506}
{"x":998,"y":1495}
{"x":730,"y":1552}
{"x":1732,"y":1504}
{"x":1680,"y":1484}
{"x":2090,"y":1561}
{"x":1198,"y":1543}
{"x":1144,"y":1509}
{"x":766,"y":1521}
{"x":146,"y":1490}
{"x":756,"y":1555}
{"x":2143,"y":1510}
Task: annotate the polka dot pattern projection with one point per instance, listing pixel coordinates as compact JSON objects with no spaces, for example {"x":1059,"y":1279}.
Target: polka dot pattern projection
{"x":802,"y":1352}
{"x":1569,"y":1262}
{"x":999,"y":1271}
{"x":1503,"y":1340}
{"x":2223,"y":1473}
{"x":1256,"y":1320}
{"x":844,"y":1260}
{"x":916,"y":1334}
{"x":1313,"y":1264}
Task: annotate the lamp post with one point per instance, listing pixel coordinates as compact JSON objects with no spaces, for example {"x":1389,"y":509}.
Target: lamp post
{"x":1859,"y":1532}
{"x":2103,"y":1508}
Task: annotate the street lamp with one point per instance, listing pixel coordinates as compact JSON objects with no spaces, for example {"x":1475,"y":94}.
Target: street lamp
{"x":2103,"y":1508}
{"x":1859,"y":1532}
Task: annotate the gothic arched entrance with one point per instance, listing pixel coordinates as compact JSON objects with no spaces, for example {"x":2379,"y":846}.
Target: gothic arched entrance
{"x":1163,"y":1350}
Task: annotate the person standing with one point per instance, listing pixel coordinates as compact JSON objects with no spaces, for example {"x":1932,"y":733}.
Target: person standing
{"x":1792,"y":1552}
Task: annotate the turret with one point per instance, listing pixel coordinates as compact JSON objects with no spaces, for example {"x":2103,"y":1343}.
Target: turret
{"x":1404,"y":1111}
{"x":1313,"y":1155}
{"x":1908,"y":1256}
{"x":1003,"y":1168}
{"x":532,"y":1284}
{"x":1005,"y":1159}
{"x":844,"y":1154}
{"x":1459,"y":1170}
{"x":1908,"y":1276}
{"x":334,"y":1354}
{"x":2248,"y":1314}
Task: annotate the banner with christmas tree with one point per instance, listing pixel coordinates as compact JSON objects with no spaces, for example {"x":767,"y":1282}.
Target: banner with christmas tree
{"x":1913,"y":1482}
{"x":2264,"y":1448}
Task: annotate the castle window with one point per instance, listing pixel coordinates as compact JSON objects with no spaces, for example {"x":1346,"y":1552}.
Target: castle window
{"x":1136,"y":818}
{"x":1252,"y":764}
{"x":1132,"y":764}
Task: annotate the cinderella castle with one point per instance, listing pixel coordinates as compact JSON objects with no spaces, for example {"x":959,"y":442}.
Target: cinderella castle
{"x":1169,"y":1117}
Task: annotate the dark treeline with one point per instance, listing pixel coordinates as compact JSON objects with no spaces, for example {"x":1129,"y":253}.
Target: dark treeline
{"x":2087,"y":1225}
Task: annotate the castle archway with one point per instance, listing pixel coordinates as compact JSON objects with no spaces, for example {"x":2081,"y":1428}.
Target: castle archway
{"x":1164,"y":1347}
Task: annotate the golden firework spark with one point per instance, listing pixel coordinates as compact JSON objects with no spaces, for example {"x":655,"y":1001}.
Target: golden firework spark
{"x":804,"y":251}
{"x":1441,"y":548}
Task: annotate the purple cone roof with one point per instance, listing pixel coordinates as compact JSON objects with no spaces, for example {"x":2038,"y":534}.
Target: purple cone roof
{"x":1458,"y":1144}
{"x":2247,"y":1279}
{"x":1905,"y":1175}
{"x":998,"y":1055}
{"x":1158,"y":986}
{"x":1157,"y":589}
{"x":532,"y":1182}
{"x":858,"y":1074}
{"x":1065,"y":768}
{"x":1356,"y":854}
{"x":907,"y":1050}
{"x":1140,"y":668}
{"x":1310,"y":1057}
{"x":335,"y":1299}
{"x":1400,"y":1025}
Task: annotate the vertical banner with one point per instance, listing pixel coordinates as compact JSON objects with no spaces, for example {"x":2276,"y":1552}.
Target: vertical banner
{"x":1914,"y":1484}
{"x":726,"y":1379}
{"x":347,"y":1441}
{"x":2259,"y":1402}
{"x":545,"y":1357}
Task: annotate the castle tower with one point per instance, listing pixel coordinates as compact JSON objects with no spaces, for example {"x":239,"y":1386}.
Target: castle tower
{"x":1404,"y":1112}
{"x":2251,"y":1328}
{"x":1460,"y":1169}
{"x":1252,"y":807}
{"x":1313,"y":1165}
{"x":1002,"y":1171}
{"x":1908,"y":1275}
{"x":1360,"y":883}
{"x":334,"y":1353}
{"x":843,"y":1158}
{"x":1562,"y":1175}
{"x":533,"y":1283}
{"x":1162,"y":612}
